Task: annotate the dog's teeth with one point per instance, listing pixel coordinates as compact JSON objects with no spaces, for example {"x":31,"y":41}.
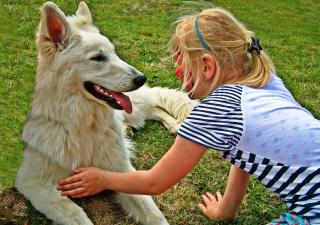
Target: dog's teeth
{"x":103,"y":91}
{"x":98,"y":88}
{"x":118,"y":102}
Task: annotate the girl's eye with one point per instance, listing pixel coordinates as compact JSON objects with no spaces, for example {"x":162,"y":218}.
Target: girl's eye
{"x":100,"y":58}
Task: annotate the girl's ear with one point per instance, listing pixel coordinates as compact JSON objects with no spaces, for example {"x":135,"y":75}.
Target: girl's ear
{"x":209,"y":66}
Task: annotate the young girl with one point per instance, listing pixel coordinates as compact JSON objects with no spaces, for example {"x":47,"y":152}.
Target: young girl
{"x":247,"y":115}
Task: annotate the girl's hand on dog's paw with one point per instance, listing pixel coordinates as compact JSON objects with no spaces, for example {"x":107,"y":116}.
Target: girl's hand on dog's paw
{"x":85,"y":182}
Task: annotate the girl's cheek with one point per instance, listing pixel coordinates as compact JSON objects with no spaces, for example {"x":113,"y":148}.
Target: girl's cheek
{"x":189,"y":83}
{"x":179,"y":73}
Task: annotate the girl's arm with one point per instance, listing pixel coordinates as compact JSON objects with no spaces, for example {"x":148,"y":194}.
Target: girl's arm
{"x":172,"y":167}
{"x":226,"y":206}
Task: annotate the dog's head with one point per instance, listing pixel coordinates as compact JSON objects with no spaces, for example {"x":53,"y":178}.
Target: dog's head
{"x":81,"y":60}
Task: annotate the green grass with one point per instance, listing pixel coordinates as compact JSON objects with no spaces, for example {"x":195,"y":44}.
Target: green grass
{"x":289,"y":31}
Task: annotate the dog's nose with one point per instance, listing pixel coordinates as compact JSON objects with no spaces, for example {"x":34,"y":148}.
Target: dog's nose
{"x":139,"y":80}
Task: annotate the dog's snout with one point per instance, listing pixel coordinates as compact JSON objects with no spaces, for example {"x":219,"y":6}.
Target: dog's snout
{"x":139,"y":80}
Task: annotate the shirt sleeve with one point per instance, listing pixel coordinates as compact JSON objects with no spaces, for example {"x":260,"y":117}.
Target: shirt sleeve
{"x":217,"y":122}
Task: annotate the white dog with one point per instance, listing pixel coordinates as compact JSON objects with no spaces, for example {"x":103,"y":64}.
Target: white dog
{"x":78,"y":117}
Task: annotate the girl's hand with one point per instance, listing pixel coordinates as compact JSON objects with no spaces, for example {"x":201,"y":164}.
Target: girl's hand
{"x":212,"y":207}
{"x":226,"y":207}
{"x":85,"y":182}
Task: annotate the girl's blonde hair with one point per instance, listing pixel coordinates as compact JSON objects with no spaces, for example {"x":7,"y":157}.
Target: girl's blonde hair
{"x":228,"y":41}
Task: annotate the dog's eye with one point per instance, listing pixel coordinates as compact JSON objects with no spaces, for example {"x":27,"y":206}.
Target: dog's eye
{"x":100,"y":58}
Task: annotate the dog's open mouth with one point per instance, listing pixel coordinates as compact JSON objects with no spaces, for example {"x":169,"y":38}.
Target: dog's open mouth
{"x":116,"y":100}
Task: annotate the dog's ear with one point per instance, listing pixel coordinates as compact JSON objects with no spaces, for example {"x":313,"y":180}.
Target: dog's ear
{"x":84,"y":12}
{"x":54,"y":30}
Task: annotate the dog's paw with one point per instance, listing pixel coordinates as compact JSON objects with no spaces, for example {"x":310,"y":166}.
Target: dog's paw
{"x":174,"y":129}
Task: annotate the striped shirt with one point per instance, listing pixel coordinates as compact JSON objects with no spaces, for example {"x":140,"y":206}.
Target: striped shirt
{"x":267,"y":133}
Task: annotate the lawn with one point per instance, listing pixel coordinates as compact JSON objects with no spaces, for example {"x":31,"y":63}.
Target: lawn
{"x":289,"y":31}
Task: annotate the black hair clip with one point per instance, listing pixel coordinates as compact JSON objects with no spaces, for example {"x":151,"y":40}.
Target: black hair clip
{"x":255,"y":46}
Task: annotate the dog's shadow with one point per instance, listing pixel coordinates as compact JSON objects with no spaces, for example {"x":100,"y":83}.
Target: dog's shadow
{"x":102,"y":209}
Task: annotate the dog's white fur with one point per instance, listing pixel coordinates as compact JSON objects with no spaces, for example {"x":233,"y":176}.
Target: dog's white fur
{"x":69,"y":128}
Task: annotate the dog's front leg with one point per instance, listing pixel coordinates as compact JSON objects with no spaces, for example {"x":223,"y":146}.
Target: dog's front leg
{"x":142,"y":208}
{"x":37,"y":180}
{"x":61,"y":210}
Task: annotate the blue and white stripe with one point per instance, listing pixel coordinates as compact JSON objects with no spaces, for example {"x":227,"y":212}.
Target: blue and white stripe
{"x":218,"y":123}
{"x":220,"y":113}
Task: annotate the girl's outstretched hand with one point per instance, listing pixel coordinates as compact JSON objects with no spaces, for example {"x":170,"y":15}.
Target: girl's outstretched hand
{"x":85,"y":182}
{"x":212,"y":206}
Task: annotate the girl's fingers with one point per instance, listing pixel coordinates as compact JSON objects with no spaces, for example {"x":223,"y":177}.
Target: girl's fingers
{"x":210,"y":196}
{"x":219,"y":196}
{"x":74,"y":192}
{"x":72,"y":179}
{"x":206,"y":200}
{"x":202,"y":208}
{"x":80,"y":196}
{"x":70,"y":186}
{"x":79,"y":170}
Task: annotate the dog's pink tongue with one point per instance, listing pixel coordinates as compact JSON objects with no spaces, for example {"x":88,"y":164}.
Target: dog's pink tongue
{"x":124,"y":101}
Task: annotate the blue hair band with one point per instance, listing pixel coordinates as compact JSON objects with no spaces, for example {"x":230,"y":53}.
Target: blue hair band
{"x":200,"y":36}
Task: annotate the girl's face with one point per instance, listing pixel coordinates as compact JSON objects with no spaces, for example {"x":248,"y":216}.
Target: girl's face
{"x":181,"y":70}
{"x":203,"y":85}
